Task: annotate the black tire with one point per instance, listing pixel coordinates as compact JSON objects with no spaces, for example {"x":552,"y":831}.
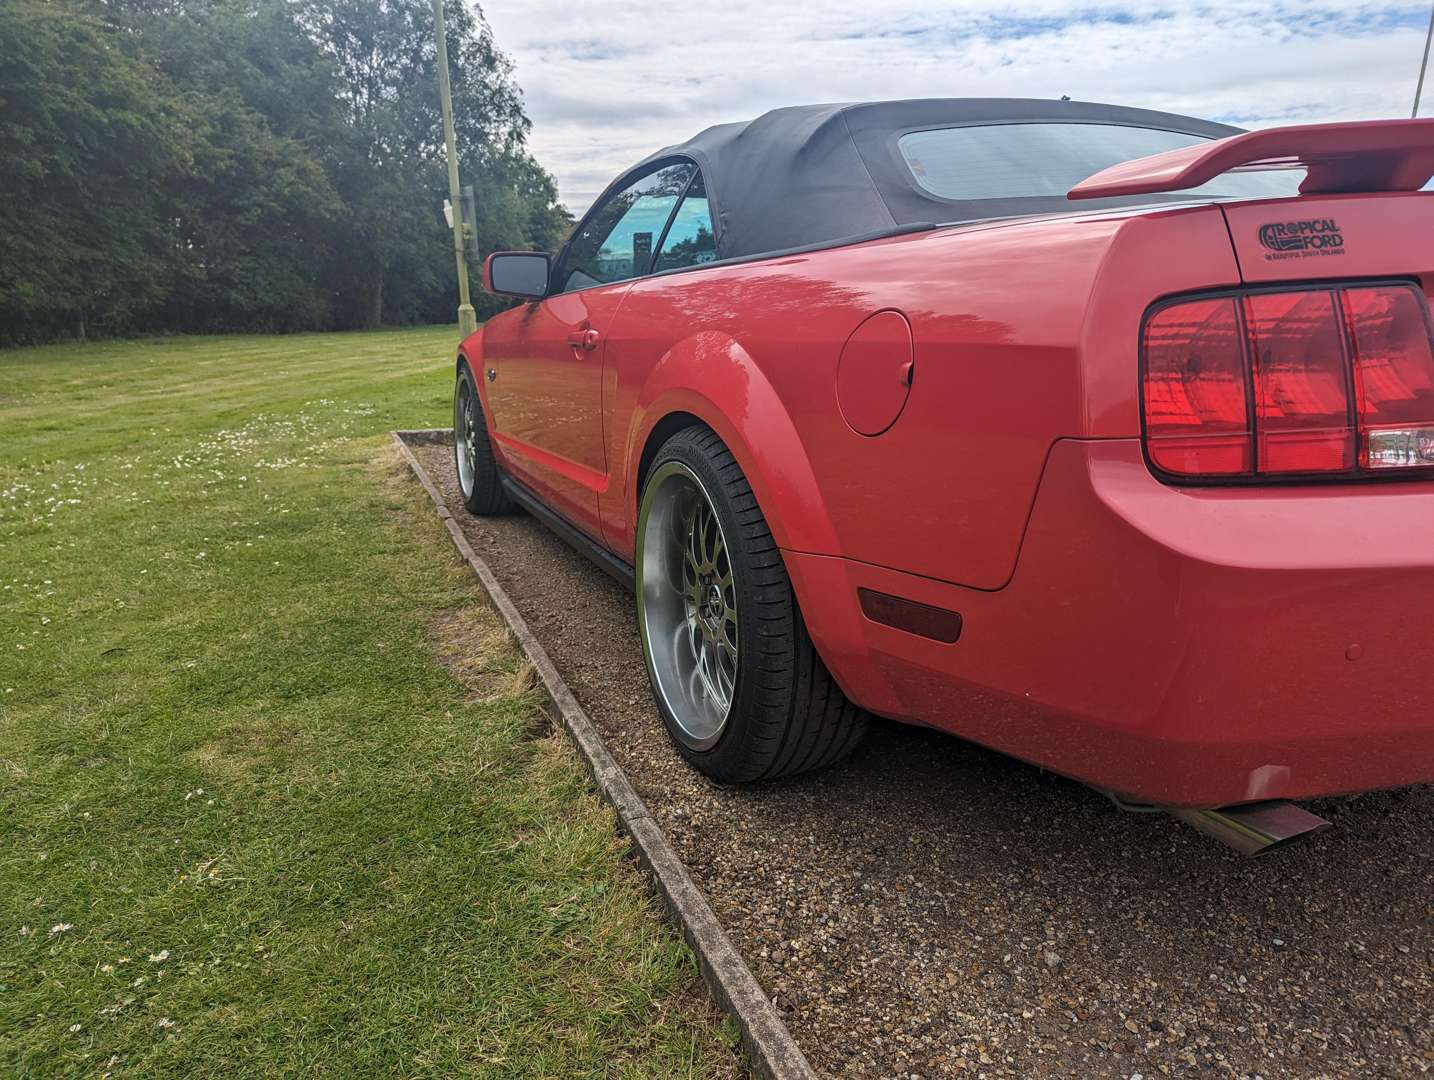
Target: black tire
{"x":786,"y":714}
{"x":483,"y":492}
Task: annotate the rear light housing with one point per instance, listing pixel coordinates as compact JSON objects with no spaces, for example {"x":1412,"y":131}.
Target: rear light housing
{"x":1284,"y":384}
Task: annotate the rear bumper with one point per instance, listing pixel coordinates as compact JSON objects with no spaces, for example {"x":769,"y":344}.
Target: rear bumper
{"x":1174,"y":646}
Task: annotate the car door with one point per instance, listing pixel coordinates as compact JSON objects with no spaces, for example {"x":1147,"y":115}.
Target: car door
{"x":545,"y":366}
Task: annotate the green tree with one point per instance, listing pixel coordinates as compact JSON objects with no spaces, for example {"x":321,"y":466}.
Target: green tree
{"x":255,"y":214}
{"x":248,"y":164}
{"x":91,"y":139}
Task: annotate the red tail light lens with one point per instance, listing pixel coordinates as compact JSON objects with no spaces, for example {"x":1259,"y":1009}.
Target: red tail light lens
{"x":1301,"y":382}
{"x":1196,"y":418}
{"x":1393,"y":375}
{"x":1302,"y":413}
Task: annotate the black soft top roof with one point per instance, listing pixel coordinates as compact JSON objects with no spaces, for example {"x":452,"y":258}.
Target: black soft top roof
{"x":813,"y":174}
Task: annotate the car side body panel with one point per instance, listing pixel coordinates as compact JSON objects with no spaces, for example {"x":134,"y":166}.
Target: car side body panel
{"x":996,"y":313}
{"x":544,"y":396}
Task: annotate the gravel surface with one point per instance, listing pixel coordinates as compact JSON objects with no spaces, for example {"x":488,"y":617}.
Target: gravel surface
{"x":929,"y":908}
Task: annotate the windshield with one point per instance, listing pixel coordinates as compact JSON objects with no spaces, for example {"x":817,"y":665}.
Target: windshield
{"x":1045,"y":160}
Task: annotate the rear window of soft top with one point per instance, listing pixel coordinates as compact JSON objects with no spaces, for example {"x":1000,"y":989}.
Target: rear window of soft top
{"x":1045,"y":160}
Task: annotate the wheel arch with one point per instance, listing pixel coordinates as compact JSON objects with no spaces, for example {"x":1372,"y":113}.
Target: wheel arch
{"x":738,"y":402}
{"x":470,"y":354}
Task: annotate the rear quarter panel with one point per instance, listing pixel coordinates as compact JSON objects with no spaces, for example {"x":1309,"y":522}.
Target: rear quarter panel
{"x":1000,"y":316}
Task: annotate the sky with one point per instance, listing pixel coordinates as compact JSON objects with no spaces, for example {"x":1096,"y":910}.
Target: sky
{"x":607,"y":82}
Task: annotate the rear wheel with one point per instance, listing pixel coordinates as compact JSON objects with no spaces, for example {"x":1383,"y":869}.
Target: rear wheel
{"x":736,"y":678}
{"x":478,"y":475}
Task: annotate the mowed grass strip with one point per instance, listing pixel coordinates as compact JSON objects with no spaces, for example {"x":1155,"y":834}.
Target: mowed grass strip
{"x":276,"y":796}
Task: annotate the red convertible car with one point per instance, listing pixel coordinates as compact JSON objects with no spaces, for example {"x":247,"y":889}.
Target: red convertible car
{"x":1099,"y":436}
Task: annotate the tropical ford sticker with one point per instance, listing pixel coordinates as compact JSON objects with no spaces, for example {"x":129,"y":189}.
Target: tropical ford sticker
{"x":1311,"y":238}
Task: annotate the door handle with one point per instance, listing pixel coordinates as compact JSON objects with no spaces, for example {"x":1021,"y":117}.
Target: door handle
{"x":587,"y":340}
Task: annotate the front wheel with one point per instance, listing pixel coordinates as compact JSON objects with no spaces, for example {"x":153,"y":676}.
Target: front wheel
{"x":478,"y":475}
{"x":737,"y":680}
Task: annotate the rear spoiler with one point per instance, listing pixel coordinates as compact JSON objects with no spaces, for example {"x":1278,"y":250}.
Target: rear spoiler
{"x":1366,"y":155}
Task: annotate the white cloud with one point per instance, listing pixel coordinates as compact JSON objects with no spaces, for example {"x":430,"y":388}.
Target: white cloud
{"x":609,"y":81}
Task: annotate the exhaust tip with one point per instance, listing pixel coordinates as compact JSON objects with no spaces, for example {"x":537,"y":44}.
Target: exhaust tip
{"x":1254,"y":828}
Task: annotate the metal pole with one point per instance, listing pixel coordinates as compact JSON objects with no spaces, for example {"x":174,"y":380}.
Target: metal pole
{"x":467,"y":317}
{"x":1424,"y":65}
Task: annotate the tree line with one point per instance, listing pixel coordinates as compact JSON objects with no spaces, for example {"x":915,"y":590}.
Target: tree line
{"x":248,"y":165}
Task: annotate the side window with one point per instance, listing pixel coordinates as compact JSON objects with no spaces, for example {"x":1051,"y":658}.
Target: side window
{"x":616,"y":242}
{"x":690,"y":240}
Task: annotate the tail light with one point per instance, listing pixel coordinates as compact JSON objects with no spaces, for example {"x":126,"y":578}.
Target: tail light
{"x":1307,"y":382}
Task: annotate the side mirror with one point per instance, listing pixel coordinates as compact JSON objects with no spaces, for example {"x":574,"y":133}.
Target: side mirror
{"x":517,"y":273}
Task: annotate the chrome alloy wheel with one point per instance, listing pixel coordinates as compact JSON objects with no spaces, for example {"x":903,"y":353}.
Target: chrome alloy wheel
{"x":687,"y":604}
{"x":466,"y":435}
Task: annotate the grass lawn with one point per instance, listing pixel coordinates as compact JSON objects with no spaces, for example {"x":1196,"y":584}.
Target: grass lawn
{"x":275,"y":793}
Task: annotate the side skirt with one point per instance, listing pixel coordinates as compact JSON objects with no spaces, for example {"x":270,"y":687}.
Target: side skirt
{"x":614,"y":567}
